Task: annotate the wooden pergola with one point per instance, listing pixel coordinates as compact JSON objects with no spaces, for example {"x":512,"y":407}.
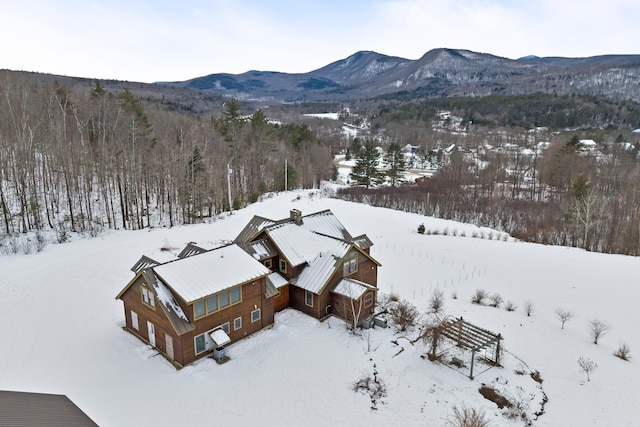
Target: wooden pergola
{"x":472,"y":338}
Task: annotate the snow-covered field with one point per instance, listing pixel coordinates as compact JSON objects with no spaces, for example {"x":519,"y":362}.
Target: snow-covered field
{"x":62,"y":332}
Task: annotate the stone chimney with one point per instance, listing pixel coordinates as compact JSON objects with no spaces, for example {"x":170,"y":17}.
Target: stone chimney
{"x":296,"y":216}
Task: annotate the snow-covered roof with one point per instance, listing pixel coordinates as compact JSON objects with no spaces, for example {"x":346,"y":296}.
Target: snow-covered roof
{"x":220,"y":337}
{"x":299,"y":244}
{"x":318,"y":272}
{"x":253,"y":227}
{"x":277,"y":280}
{"x":351,"y":288}
{"x":325,"y":222}
{"x":205,"y":274}
{"x":260,"y":249}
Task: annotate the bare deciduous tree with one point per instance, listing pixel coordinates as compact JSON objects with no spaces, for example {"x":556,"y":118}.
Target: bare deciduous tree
{"x":597,"y":328}
{"x":587,"y":365}
{"x":528,"y":307}
{"x":564,"y":315}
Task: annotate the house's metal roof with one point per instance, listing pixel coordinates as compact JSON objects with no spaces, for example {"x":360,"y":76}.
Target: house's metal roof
{"x":352,"y":288}
{"x":191,"y":249}
{"x":362,"y":241}
{"x":205,"y":274}
{"x":325,"y":222}
{"x":21,"y":409}
{"x":277,"y":280}
{"x":318,"y":272}
{"x":260,"y":249}
{"x":253,"y":228}
{"x":143,"y":262}
{"x":299,"y":244}
{"x":168,"y":303}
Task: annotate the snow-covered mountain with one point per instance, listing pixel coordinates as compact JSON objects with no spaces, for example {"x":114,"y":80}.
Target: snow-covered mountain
{"x":62,"y":332}
{"x":439,"y":72}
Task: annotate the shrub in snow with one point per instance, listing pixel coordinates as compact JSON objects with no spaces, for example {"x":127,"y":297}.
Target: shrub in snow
{"x":597,"y":328}
{"x":421,"y":229}
{"x":623,"y":352}
{"x":587,"y":366}
{"x":564,"y":316}
{"x":404,"y":314}
{"x":374,"y":387}
{"x":528,"y":307}
{"x":431,"y":334}
{"x":510,"y":306}
{"x":479,"y":296}
{"x":436,"y":302}
{"x":496,"y":300}
{"x":468,"y":417}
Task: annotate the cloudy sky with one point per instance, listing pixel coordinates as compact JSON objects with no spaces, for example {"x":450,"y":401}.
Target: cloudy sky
{"x":168,"y":40}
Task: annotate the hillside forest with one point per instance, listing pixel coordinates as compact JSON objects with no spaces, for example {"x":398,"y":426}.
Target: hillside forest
{"x":82,"y":158}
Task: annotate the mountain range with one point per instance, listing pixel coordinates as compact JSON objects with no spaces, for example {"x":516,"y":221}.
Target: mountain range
{"x":438,"y":73}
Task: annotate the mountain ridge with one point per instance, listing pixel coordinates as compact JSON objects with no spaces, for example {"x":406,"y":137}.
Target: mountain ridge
{"x":440,"y":72}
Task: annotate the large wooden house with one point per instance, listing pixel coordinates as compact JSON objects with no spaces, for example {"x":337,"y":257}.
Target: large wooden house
{"x":188,"y":307}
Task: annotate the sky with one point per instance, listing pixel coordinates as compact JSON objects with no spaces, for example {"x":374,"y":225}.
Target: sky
{"x":149,"y":41}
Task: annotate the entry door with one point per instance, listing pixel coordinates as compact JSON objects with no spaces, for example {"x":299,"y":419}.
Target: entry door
{"x":152,"y":333}
{"x":169,"y":342}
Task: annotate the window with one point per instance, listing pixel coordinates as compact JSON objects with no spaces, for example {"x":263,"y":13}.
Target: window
{"x":368,"y":300}
{"x":201,"y":343}
{"x":212,"y":304}
{"x":237,"y":323}
{"x":235,"y":294}
{"x":283,"y":266}
{"x":268,"y":263}
{"x":255,"y":315}
{"x":224,"y":299}
{"x":134,"y":320}
{"x":350,"y":266}
{"x":225,"y":327}
{"x":308,"y":296}
{"x":198,"y":308}
{"x":147,"y":297}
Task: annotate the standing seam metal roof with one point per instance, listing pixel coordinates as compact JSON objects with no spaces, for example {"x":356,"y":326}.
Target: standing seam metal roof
{"x":201,"y":275}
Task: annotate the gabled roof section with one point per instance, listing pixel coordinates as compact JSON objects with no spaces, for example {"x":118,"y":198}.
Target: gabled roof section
{"x":299,"y":244}
{"x":352,"y":288}
{"x":276,"y":280}
{"x":362,"y":241}
{"x":325,"y":222}
{"x":144,"y":262}
{"x":317,"y":273}
{"x":169,"y":304}
{"x":253,"y":228}
{"x":191,"y":249}
{"x":260,"y":249}
{"x":205,"y":274}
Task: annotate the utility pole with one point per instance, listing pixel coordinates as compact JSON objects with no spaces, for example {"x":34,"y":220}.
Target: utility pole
{"x":286,"y":184}
{"x":229,"y":172}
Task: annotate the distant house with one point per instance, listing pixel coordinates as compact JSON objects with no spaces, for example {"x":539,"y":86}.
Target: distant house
{"x":188,"y":307}
{"x":22,"y":409}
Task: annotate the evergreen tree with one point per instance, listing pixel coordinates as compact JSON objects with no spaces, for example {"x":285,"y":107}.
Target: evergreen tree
{"x":365,"y":170}
{"x":395,"y":162}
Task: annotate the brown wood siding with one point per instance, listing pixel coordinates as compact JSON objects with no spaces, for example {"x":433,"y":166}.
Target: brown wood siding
{"x":280,"y":302}
{"x":252,"y":296}
{"x":342,"y":306}
{"x":132,"y":299}
{"x":297,"y":301}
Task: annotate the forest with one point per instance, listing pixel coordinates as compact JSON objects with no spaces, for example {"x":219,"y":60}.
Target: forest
{"x":78,"y":159}
{"x":82,"y":157}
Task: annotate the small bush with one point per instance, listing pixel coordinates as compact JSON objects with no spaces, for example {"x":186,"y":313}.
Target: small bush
{"x":479,"y":296}
{"x":421,"y":228}
{"x":404,"y":314}
{"x":510,"y":306}
{"x":468,"y":417}
{"x":623,"y":352}
{"x":492,"y":395}
{"x":436,"y":302}
{"x":536,"y":376}
{"x":587,"y":366}
{"x":528,"y":307}
{"x":496,"y":300}
{"x":597,"y":328}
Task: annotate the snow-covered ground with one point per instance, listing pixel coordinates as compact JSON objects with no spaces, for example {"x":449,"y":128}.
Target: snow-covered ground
{"x":62,"y":332}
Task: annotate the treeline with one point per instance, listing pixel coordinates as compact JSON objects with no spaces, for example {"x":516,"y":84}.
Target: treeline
{"x":562,"y":197}
{"x":525,"y":111}
{"x":78,"y":159}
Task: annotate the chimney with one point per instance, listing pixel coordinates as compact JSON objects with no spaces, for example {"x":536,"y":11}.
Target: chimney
{"x":296,"y":216}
